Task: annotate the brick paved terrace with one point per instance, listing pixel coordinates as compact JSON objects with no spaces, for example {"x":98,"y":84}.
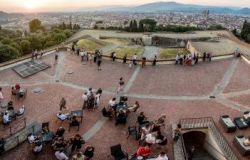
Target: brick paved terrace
{"x":177,"y":91}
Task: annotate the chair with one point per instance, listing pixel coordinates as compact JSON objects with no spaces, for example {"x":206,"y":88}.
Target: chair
{"x":45,"y":125}
{"x":117,"y":153}
{"x":74,"y":124}
{"x":132,"y":130}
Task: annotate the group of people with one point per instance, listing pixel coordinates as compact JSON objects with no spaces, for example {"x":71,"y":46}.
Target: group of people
{"x":189,"y":59}
{"x":134,"y":59}
{"x":35,"y":54}
{"x":63,"y":148}
{"x":95,"y":57}
{"x":91,"y":100}
{"x":10,"y":112}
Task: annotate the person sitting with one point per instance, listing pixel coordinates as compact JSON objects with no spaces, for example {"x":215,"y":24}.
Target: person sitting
{"x":161,"y":120}
{"x":247,"y":142}
{"x":62,"y":116}
{"x":60,"y":155}
{"x":150,"y":138}
{"x":20,"y":111}
{"x":89,"y":152}
{"x":74,"y":121}
{"x":31,"y":138}
{"x":156,"y":128}
{"x":121,"y":118}
{"x":38,"y":146}
{"x":112,"y":103}
{"x":162,"y":156}
{"x":10,"y":106}
{"x":135,"y":107}
{"x":160,"y":139}
{"x":144,"y":151}
{"x":59,"y":144}
{"x":145,"y":130}
{"x":13,"y":91}
{"x":60,"y":132}
{"x":78,"y":156}
{"x":17,"y":87}
{"x":76,"y":142}
{"x":107,"y":112}
{"x":6,"y":118}
{"x":141,"y":119}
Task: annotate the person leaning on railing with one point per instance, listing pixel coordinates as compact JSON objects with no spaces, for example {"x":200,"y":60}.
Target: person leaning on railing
{"x":177,"y":132}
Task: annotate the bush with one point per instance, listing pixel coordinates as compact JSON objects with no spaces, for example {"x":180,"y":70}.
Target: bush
{"x":25,"y":46}
{"x":8,"y":52}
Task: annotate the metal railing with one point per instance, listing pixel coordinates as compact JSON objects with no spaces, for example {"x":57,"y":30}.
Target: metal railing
{"x":208,"y":122}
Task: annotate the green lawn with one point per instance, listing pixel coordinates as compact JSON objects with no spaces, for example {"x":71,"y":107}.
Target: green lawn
{"x":166,"y":53}
{"x":117,"y":41}
{"x":130,"y":51}
{"x":91,"y":44}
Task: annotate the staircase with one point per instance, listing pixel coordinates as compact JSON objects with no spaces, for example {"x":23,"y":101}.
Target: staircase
{"x":202,"y":154}
{"x":202,"y":123}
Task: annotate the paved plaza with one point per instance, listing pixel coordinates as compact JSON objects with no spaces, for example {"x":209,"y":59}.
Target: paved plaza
{"x":177,"y":91}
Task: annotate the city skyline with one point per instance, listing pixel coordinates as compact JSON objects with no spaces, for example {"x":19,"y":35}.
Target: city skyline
{"x":69,"y":5}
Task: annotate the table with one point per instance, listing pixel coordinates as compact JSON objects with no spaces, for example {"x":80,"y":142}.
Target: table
{"x":77,"y":113}
{"x":227,"y":123}
{"x":121,"y":107}
{"x":240,"y":123}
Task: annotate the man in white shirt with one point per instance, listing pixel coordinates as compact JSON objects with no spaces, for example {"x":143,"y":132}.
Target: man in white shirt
{"x":85,"y":99}
{"x":134,"y":59}
{"x":1,"y":96}
{"x":112,"y":102}
{"x":6,"y":118}
{"x":150,"y":138}
{"x":89,"y":92}
{"x":60,"y":155}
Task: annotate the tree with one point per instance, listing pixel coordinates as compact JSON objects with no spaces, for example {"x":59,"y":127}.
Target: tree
{"x":141,"y":28}
{"x":7,"y":53}
{"x":149,"y":25}
{"x":35,"y":25}
{"x":35,"y":42}
{"x":245,"y":30}
{"x":25,"y":46}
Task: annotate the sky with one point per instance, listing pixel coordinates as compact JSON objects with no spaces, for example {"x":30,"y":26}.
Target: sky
{"x":60,"y":5}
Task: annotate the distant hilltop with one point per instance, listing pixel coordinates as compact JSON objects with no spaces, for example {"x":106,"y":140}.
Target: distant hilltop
{"x":172,"y":6}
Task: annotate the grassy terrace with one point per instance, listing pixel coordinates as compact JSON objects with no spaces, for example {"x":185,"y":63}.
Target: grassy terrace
{"x":166,"y":53}
{"x":91,"y":44}
{"x":117,"y":41}
{"x":130,"y":51}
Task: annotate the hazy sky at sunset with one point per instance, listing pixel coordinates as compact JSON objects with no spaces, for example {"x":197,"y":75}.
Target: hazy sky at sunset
{"x":57,"y":5}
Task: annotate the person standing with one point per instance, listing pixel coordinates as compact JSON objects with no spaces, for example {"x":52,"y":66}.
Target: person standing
{"x":82,"y":55}
{"x":99,"y":62}
{"x":1,"y":96}
{"x":134,"y":59}
{"x":114,"y":57}
{"x":85,"y":100}
{"x":154,"y":61}
{"x":56,"y":58}
{"x":121,"y":85}
{"x":62,"y":104}
{"x":125,"y":58}
{"x":143,"y":62}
